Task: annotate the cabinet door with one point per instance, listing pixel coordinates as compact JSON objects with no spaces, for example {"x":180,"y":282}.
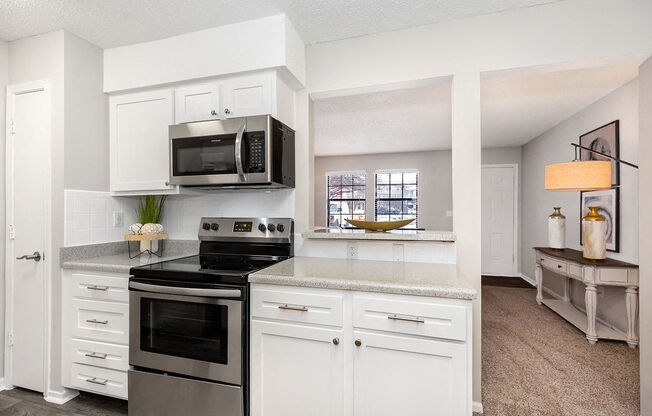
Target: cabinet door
{"x":197,"y":103}
{"x":395,"y":375}
{"x":247,"y":96}
{"x":140,"y":155}
{"x":296,"y":370}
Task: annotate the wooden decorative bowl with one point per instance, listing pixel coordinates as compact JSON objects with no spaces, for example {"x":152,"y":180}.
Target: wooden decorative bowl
{"x":379,"y":225}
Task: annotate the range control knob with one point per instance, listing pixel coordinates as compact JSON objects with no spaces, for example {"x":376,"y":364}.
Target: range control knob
{"x":280,"y":228}
{"x":271,"y":227}
{"x":206,"y":226}
{"x":215,"y":226}
{"x":262,"y":227}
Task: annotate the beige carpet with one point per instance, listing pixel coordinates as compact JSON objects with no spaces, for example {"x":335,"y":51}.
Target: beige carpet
{"x":535,"y":363}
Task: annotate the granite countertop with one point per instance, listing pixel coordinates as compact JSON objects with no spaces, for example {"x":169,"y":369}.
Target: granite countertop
{"x":394,"y":235}
{"x":114,"y":258}
{"x":404,"y":278}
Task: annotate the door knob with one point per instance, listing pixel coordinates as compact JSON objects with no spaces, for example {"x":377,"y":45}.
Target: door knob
{"x":36,"y":257}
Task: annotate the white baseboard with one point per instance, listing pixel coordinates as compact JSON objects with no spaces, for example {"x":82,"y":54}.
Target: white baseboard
{"x":477,"y":407}
{"x":3,"y":386}
{"x":528,"y":279}
{"x":501,"y":275}
{"x":60,"y":397}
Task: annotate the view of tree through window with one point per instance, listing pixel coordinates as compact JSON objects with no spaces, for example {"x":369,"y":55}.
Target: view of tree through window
{"x":396,"y":197}
{"x":346,"y":198}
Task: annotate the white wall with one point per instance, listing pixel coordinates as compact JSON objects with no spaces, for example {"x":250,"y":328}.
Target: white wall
{"x":247,"y":46}
{"x":554,"y":146}
{"x":86,"y":117}
{"x":645,"y":231}
{"x":435,"y":191}
{"x":4,"y":67}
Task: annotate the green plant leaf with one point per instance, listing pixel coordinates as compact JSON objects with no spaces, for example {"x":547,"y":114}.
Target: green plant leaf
{"x":150,"y":208}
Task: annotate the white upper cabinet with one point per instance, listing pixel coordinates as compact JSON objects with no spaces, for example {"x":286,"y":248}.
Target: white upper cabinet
{"x":140,"y":155}
{"x":197,"y":103}
{"x":248,"y":96}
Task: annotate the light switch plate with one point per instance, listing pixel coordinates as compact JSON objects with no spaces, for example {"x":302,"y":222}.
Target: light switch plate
{"x":351,"y":250}
{"x":398,"y":252}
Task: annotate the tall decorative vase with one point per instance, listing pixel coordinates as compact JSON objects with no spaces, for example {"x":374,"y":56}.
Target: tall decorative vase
{"x":594,"y":235}
{"x":557,"y":229}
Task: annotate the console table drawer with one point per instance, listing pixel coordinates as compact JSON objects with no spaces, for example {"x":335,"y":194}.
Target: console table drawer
{"x":612,"y":276}
{"x":553,"y":264}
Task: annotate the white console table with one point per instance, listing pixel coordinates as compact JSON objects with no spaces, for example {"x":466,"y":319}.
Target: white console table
{"x":570,"y":264}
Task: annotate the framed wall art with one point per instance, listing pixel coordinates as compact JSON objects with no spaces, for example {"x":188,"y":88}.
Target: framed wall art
{"x":605,"y":140}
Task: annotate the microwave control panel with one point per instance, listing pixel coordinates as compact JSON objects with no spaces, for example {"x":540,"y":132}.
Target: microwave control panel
{"x":256,"y":151}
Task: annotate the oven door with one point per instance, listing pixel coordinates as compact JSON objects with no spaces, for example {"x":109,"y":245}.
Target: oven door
{"x":187,"y":331}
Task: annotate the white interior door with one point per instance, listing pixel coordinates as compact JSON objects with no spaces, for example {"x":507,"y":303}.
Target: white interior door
{"x":498,"y":220}
{"x":28,"y":149}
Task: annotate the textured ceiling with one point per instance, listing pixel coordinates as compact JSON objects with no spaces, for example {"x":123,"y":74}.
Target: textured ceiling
{"x":515,"y":110}
{"x":408,"y":120}
{"x":109,"y":23}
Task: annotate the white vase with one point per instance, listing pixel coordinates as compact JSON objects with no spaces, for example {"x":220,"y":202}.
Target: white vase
{"x":594,"y":235}
{"x":557,"y":229}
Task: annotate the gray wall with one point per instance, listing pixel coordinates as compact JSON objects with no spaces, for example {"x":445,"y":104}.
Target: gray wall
{"x":435,"y":192}
{"x":645,"y":230}
{"x":554,"y":146}
{"x":509,"y":155}
{"x":4,"y":68}
{"x":86,"y":117}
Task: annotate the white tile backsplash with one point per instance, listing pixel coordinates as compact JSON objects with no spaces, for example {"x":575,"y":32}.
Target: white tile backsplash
{"x":89,"y":217}
{"x":89,"y":214}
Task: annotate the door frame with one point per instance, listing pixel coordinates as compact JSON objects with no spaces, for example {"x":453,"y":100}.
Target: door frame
{"x":516,"y":183}
{"x":12,"y":91}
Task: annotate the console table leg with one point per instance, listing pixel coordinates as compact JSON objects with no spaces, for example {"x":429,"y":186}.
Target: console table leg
{"x":566,"y":283}
{"x":538,"y":274}
{"x":631,"y":303}
{"x":591,"y":300}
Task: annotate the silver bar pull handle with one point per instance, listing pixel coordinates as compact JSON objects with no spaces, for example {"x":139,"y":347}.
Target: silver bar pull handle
{"x":95,"y":321}
{"x":293,"y":308}
{"x":95,"y":287}
{"x":96,"y":355}
{"x":96,"y":380}
{"x":395,"y":317}
{"x":238,"y":152}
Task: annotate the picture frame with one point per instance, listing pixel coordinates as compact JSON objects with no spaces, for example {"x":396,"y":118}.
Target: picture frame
{"x":608,"y":202}
{"x":604,"y":139}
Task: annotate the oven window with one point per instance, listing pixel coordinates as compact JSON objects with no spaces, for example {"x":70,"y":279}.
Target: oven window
{"x":198,"y":331}
{"x":204,"y":155}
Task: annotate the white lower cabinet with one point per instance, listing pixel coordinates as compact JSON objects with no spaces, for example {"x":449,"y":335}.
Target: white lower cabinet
{"x":397,"y":375}
{"x":388,"y":354}
{"x":296,"y":370}
{"x":95,"y":329}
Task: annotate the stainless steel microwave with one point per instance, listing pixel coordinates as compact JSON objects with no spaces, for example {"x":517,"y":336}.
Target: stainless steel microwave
{"x":239,"y":152}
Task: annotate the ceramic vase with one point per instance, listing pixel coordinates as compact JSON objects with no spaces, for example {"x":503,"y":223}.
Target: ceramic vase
{"x":557,"y":229}
{"x":594,"y":235}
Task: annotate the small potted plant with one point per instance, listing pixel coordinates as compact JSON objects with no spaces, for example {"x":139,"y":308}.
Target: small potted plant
{"x":150,"y":209}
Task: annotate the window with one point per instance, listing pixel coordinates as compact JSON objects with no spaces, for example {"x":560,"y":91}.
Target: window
{"x":396,"y":197}
{"x":346,"y":198}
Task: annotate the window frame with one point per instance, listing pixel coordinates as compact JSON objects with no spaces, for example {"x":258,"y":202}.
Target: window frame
{"x":415,"y":224}
{"x":353,"y":200}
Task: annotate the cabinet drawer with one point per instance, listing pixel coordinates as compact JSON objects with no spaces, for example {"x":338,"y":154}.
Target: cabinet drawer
{"x":297,"y":305}
{"x":99,"y":287}
{"x":101,"y":321}
{"x":575,"y":271}
{"x":99,"y":380}
{"x":411,"y":316}
{"x":100,"y":354}
{"x":553,"y":265}
{"x":611,"y":276}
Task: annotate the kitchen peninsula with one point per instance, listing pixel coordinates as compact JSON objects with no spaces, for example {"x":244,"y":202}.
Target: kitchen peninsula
{"x":380,"y":337}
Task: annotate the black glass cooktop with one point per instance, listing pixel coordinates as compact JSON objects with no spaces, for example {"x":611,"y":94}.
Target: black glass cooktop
{"x":213,"y":268}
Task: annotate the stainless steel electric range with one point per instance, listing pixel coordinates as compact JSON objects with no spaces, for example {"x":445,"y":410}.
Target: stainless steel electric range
{"x":189,"y":326}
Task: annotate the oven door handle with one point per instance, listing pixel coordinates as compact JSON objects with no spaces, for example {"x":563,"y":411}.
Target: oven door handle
{"x":238,"y":152}
{"x":186,"y":291}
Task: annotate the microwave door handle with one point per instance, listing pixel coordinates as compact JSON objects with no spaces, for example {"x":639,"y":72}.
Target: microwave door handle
{"x":186,"y":291}
{"x":238,"y":152}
